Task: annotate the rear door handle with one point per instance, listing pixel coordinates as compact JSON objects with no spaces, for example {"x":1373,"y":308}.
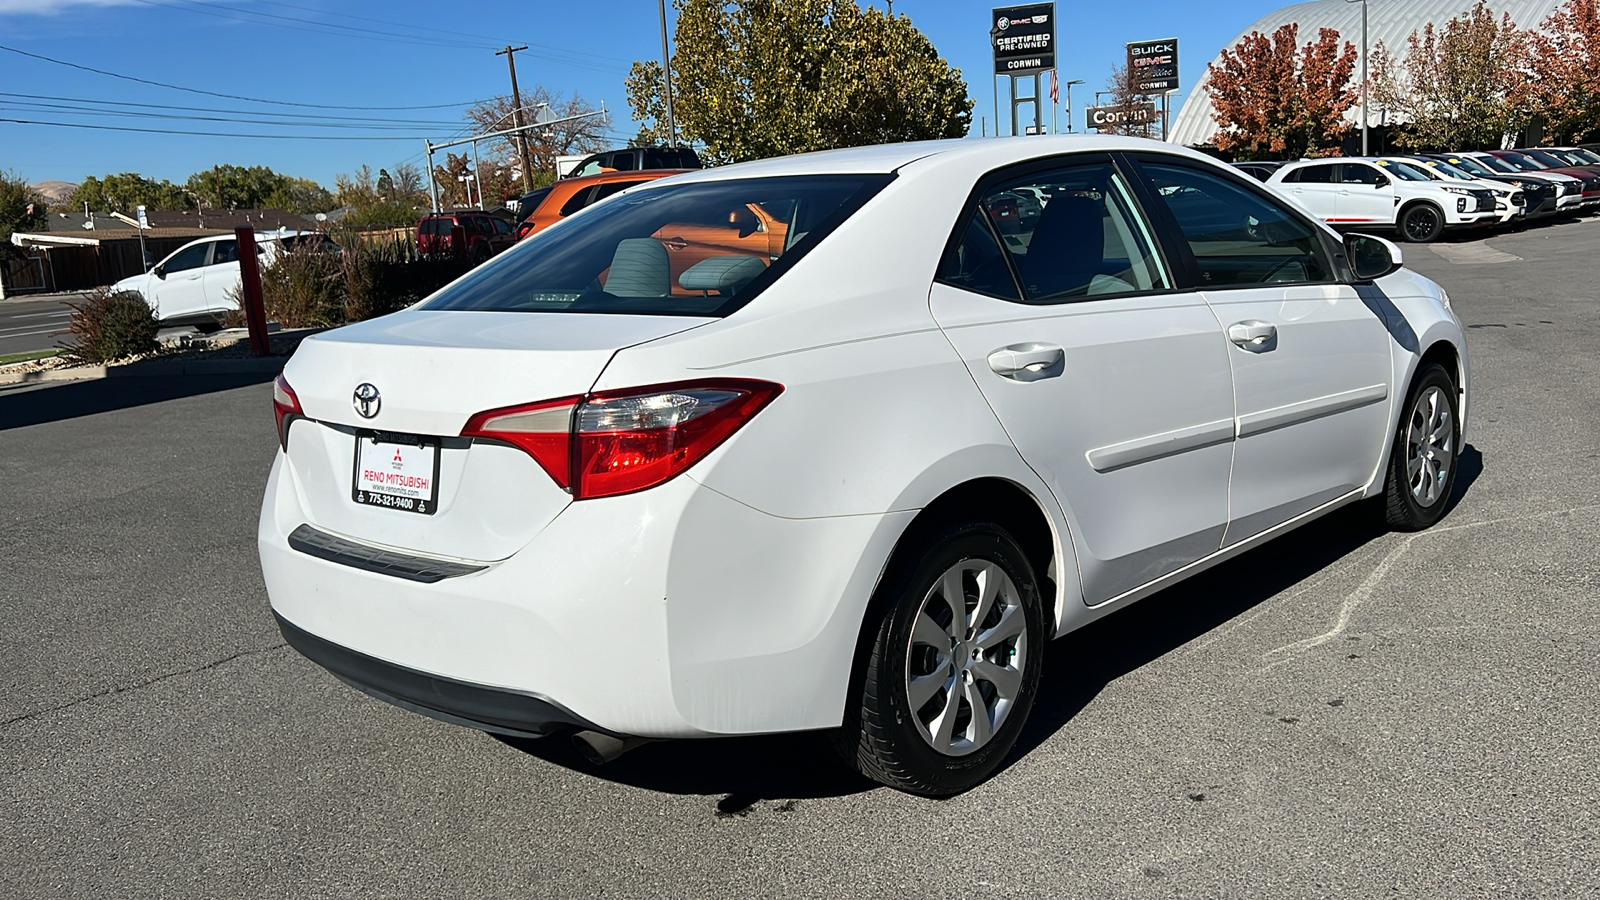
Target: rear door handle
{"x":1254,"y":335}
{"x":1028,"y":362}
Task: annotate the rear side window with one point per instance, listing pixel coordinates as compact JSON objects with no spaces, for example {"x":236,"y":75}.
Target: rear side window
{"x":1071,"y":233}
{"x":530,"y":202}
{"x":976,"y":262}
{"x":1237,"y":237}
{"x":577,"y":201}
{"x":1315,"y":175}
{"x":694,"y":249}
{"x":224,"y":252}
{"x":623,"y":162}
{"x":602,"y":191}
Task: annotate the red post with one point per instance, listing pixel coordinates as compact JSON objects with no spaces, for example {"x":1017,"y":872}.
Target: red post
{"x":255,"y":313}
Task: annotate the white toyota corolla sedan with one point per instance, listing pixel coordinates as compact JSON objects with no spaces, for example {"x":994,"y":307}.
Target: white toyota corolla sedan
{"x":837,"y":441}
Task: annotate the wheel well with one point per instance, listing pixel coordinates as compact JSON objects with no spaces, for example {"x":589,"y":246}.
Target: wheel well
{"x":1413,"y":204}
{"x":981,"y":500}
{"x":1444,"y":353}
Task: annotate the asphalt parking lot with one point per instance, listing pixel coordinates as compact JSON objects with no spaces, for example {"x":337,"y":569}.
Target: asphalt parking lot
{"x":1339,"y":713}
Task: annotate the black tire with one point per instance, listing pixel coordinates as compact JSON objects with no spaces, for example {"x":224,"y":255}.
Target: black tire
{"x":1406,"y":500}
{"x":881,"y":737}
{"x":1421,"y":223}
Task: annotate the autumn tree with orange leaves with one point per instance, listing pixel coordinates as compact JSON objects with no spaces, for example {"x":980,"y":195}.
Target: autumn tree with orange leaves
{"x":1460,"y":86}
{"x":1563,"y":69}
{"x":1275,"y":98}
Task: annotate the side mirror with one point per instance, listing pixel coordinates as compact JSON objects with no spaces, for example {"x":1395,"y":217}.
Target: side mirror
{"x":1371,"y":257}
{"x":1382,"y":182}
{"x":160,"y":272}
{"x":745,"y":220}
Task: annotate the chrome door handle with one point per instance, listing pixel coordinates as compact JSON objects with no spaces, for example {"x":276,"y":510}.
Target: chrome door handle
{"x":1255,"y":336}
{"x":1028,"y":362}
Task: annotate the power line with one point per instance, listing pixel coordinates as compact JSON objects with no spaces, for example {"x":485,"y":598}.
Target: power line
{"x":237,"y":120}
{"x":175,"y":87}
{"x":281,"y":137}
{"x":307,"y":118}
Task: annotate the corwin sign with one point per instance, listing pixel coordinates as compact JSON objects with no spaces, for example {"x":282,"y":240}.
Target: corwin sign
{"x":1153,"y":66}
{"x":1132,"y":114}
{"x":1024,"y":39}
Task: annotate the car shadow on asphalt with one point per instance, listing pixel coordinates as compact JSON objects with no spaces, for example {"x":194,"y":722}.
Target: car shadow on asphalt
{"x":749,"y":770}
{"x":25,"y":405}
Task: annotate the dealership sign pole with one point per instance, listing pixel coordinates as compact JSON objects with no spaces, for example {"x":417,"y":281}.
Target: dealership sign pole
{"x":1024,"y":40}
{"x":1152,"y":70}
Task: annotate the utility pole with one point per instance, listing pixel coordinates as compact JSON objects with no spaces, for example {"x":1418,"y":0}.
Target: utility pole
{"x":1363,"y":74}
{"x":666,"y":68}
{"x":510,"y":53}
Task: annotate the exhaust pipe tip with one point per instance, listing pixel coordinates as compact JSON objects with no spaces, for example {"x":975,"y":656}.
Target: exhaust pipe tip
{"x":600,"y":749}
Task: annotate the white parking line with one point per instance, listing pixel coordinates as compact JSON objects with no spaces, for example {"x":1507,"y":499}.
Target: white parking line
{"x":5,"y":333}
{"x":63,"y":313}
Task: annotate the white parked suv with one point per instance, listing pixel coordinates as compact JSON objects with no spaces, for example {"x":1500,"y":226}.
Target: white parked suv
{"x":1360,"y":193}
{"x":198,"y":283}
{"x":1509,"y":200}
{"x":641,"y":477}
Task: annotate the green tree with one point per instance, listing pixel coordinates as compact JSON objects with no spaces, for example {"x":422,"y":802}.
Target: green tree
{"x":759,"y":78}
{"x":21,"y":207}
{"x":125,"y":192}
{"x":1459,"y":86}
{"x":257,"y":187}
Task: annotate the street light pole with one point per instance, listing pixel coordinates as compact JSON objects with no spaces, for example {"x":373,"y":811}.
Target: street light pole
{"x":1363,"y":73}
{"x":1069,"y":102}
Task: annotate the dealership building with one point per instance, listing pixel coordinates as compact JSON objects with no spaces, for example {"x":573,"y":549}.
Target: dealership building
{"x":1388,"y":21}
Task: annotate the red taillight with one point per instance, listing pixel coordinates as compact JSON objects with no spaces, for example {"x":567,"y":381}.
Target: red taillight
{"x":544,"y":430}
{"x":285,"y":408}
{"x":525,"y":229}
{"x":619,"y":442}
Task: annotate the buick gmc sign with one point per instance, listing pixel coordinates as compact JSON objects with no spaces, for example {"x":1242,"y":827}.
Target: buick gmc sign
{"x":1153,"y":66}
{"x":1024,"y":39}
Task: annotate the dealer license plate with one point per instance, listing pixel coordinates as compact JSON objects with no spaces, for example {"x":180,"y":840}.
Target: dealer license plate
{"x":397,"y":471}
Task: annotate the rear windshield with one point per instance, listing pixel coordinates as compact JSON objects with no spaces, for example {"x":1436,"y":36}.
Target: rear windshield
{"x":698,"y":249}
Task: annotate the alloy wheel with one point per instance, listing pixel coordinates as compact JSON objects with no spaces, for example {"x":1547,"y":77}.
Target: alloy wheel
{"x":1421,"y":223}
{"x":1430,"y":447}
{"x":967,"y":655}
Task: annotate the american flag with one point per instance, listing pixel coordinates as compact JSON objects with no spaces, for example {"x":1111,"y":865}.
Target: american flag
{"x":1055,"y":90}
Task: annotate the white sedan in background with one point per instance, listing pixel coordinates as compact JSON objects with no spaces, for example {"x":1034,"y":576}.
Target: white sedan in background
{"x":639,"y":478}
{"x":197,"y":283}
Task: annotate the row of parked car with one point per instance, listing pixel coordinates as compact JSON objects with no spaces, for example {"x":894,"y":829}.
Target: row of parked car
{"x":1423,"y":196}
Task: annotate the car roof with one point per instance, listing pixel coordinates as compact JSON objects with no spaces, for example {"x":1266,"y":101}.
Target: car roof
{"x":986,"y":153}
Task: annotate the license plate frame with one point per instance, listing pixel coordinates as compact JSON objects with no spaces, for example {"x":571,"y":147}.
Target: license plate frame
{"x":397,"y":457}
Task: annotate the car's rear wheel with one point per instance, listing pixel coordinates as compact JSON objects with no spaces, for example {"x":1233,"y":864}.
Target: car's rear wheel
{"x":1427,"y":446}
{"x":953,"y":666}
{"x":1422,"y":223}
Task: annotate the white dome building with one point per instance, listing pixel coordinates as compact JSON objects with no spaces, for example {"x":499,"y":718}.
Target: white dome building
{"x":1389,"y":21}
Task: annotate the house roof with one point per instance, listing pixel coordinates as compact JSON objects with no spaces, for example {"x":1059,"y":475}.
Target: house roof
{"x":226,"y":219}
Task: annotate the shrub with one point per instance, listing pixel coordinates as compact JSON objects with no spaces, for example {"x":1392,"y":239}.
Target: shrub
{"x":110,"y":326}
{"x":304,"y":287}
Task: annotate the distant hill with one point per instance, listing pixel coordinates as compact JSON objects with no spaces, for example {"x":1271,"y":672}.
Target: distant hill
{"x":55,"y":191}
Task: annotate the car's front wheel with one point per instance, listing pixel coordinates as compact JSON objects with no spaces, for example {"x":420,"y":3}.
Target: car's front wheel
{"x":1422,"y":223}
{"x":953,"y":666}
{"x":1427,"y":446}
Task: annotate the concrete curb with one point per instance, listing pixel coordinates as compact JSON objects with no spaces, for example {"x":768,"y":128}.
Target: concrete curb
{"x":265,"y":365}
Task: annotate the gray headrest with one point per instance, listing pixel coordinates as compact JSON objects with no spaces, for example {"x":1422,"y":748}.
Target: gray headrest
{"x":722,"y":274}
{"x":639,"y":268}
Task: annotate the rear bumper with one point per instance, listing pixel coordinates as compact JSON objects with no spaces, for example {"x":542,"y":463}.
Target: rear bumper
{"x":485,"y":708}
{"x":673,"y":612}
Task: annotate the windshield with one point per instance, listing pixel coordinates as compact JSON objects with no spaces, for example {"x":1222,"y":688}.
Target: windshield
{"x":1589,"y":157}
{"x":1451,"y":171}
{"x":1472,"y":166}
{"x":696,"y":249}
{"x":1497,"y":164}
{"x":1548,"y":159}
{"x":1524,"y":163}
{"x":1405,"y":171}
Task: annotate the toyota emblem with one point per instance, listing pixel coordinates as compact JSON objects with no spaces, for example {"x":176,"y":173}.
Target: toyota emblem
{"x":366,"y":400}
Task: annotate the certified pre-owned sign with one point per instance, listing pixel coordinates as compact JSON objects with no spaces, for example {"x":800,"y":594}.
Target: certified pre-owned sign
{"x":1153,"y":65}
{"x":1024,"y":39}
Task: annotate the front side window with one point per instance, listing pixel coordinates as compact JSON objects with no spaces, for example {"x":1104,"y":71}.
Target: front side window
{"x":190,"y":257}
{"x":1238,"y":238}
{"x":1405,"y":171}
{"x":1358,"y":173}
{"x":695,"y":249}
{"x":1072,"y":233}
{"x":623,"y":162}
{"x":976,"y":262}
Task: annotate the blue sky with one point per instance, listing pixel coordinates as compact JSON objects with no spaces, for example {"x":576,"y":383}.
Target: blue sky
{"x":403,"y":53}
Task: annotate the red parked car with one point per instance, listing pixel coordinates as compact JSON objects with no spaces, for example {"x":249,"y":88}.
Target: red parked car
{"x":1533,"y":160}
{"x":486,"y":235}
